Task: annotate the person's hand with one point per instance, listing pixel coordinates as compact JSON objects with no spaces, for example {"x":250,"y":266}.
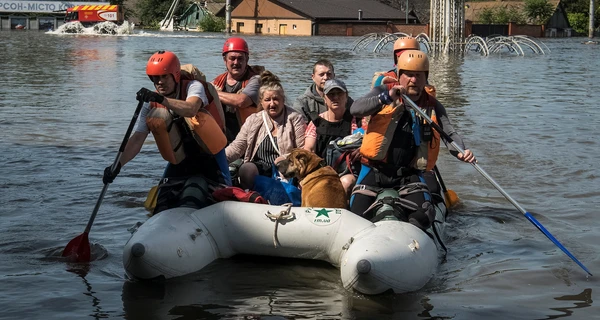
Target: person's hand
{"x":397,"y":91}
{"x":109,"y":175}
{"x":468,"y":156}
{"x":149,"y":96}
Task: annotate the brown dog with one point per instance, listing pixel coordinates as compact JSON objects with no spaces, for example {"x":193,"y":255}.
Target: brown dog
{"x":321,"y":186}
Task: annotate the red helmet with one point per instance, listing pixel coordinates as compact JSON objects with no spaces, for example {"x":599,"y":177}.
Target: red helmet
{"x":235,"y":44}
{"x":164,"y":62}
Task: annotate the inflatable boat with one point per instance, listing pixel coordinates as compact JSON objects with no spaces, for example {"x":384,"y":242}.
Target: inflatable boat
{"x":372,"y":257}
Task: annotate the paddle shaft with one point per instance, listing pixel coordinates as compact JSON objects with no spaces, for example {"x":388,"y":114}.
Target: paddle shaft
{"x":493,"y":182}
{"x":439,"y":176}
{"x":114,"y":165}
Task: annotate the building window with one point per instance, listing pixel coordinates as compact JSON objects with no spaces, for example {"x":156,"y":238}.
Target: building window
{"x":240,"y":27}
{"x":294,"y":27}
{"x":258,"y":28}
{"x":46,"y":23}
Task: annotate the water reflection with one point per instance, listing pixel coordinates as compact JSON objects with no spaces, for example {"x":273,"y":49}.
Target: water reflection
{"x":266,"y":288}
{"x":583,"y":300}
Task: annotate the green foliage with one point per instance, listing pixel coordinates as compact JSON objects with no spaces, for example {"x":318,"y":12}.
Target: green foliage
{"x":579,"y":22}
{"x":538,"y":11}
{"x":210,"y":23}
{"x":486,"y":16}
{"x":577,"y":6}
{"x":151,"y":12}
{"x":501,"y":15}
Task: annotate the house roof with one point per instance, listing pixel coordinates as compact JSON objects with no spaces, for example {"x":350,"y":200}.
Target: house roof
{"x":474,"y":9}
{"x":344,"y":9}
{"x":338,"y":9}
{"x":214,"y":7}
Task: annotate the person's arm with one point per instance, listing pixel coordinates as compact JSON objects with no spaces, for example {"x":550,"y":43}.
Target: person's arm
{"x":237,"y":100}
{"x":237,"y":148}
{"x":248,"y":96}
{"x":136,"y":140}
{"x":446,"y":125}
{"x":133,"y":147}
{"x":196,"y":98}
{"x":374,"y":100}
{"x":310,"y":138}
{"x":300,"y":106}
{"x":300,"y":131}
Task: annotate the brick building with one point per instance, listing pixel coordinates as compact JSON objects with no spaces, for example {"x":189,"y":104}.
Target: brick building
{"x":319,"y":17}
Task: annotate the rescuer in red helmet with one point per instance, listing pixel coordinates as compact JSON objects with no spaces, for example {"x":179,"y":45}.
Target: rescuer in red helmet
{"x":163,"y":114}
{"x":238,"y":87}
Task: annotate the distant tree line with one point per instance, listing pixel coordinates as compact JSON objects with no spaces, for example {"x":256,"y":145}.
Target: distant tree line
{"x":539,"y":11}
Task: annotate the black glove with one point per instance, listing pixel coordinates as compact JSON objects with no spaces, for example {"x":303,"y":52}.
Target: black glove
{"x":149,"y":96}
{"x":109,"y":175}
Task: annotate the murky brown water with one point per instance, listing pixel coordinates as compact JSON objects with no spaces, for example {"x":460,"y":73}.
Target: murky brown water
{"x":66,"y":101}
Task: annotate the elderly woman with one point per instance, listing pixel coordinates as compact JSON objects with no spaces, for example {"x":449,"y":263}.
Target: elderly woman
{"x":335,"y":123}
{"x":267,"y":134}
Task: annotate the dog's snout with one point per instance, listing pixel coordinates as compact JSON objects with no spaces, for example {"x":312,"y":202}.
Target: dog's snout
{"x":282,"y":165}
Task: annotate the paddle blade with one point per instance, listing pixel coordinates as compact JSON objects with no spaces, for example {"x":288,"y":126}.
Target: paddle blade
{"x":78,"y":249}
{"x":555,"y":241}
{"x":451,"y":198}
{"x":150,"y":202}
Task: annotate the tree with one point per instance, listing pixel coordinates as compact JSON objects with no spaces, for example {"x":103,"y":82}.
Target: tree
{"x":501,"y":15}
{"x":538,"y":11}
{"x":486,"y":16}
{"x":579,"y":22}
{"x":151,"y":12}
{"x":210,"y":23}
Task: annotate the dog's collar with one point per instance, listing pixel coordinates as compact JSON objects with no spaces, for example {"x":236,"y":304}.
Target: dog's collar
{"x":322,"y":164}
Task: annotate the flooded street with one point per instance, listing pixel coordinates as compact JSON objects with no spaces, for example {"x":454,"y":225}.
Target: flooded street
{"x":66,"y":101}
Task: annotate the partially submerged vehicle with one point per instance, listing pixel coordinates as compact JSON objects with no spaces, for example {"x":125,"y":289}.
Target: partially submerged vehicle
{"x":103,"y":18}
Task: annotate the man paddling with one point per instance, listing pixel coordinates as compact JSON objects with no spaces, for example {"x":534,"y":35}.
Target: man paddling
{"x":410,"y":145}
{"x":181,"y":99}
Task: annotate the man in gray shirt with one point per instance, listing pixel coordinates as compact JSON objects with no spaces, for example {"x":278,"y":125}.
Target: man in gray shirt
{"x":311,"y":103}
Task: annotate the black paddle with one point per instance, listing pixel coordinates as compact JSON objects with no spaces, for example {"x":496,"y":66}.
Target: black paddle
{"x":78,"y":249}
{"x":496,"y":185}
{"x":449,"y":195}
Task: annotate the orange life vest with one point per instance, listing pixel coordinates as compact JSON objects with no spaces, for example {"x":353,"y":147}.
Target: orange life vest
{"x":428,"y":151}
{"x":168,"y":130}
{"x":382,"y":127}
{"x":241,"y":113}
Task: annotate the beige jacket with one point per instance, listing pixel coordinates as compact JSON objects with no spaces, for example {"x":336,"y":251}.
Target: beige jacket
{"x":290,"y":134}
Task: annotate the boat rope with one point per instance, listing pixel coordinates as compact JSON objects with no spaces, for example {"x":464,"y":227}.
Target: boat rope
{"x":283,"y":215}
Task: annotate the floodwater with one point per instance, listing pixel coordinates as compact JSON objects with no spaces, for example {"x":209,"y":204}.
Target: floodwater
{"x":66,"y":101}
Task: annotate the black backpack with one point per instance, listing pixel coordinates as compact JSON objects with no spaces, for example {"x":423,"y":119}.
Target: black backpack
{"x":339,"y":151}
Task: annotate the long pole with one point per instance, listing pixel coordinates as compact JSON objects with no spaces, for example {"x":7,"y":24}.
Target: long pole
{"x":228,"y":17}
{"x":527,"y":215}
{"x":591,"y":27}
{"x":406,"y":12}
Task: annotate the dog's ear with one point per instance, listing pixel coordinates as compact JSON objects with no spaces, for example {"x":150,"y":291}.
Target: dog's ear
{"x":298,"y":158}
{"x":313,"y":162}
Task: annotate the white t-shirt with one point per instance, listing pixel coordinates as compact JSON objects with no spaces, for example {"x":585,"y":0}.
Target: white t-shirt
{"x":194,"y":89}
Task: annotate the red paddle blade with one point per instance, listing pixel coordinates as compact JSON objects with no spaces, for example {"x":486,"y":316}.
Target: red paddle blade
{"x":78,"y":249}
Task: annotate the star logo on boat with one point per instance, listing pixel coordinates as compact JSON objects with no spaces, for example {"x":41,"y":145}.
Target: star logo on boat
{"x":323,"y":212}
{"x":323,"y":216}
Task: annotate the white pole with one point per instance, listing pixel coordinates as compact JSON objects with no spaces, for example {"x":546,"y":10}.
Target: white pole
{"x":591,"y":28}
{"x":228,"y":16}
